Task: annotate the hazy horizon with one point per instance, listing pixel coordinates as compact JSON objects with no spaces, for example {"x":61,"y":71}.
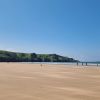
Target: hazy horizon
{"x":65,"y":27}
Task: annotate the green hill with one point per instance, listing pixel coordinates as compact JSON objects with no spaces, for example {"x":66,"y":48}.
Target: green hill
{"x":7,"y":56}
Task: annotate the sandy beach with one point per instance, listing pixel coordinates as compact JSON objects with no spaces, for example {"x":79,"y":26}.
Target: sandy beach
{"x":48,"y":82}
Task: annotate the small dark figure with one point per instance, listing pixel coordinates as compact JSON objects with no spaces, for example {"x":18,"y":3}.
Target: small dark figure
{"x":77,"y":63}
{"x":86,"y":63}
{"x":41,"y":65}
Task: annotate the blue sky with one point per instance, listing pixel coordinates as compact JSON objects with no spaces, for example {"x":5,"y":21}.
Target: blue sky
{"x":66,"y":27}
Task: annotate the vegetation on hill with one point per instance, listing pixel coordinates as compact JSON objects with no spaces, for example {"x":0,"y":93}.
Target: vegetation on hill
{"x":7,"y":56}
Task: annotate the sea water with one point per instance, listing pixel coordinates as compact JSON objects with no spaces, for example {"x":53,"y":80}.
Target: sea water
{"x":66,"y":63}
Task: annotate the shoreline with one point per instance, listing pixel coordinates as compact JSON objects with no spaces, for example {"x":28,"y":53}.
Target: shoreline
{"x":57,"y":63}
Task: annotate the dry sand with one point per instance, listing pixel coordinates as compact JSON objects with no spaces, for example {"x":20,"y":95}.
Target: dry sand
{"x":49,"y":82}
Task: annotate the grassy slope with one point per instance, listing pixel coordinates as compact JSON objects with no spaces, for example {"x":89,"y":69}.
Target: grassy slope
{"x":32,"y":57}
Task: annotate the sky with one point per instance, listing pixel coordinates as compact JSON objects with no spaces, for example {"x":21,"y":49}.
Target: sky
{"x":66,"y":27}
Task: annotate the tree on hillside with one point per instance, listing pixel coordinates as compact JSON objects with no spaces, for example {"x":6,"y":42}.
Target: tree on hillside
{"x":33,"y":57}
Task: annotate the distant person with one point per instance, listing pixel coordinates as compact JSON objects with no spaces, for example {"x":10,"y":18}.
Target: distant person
{"x":86,"y":63}
{"x":41,"y":65}
{"x":77,"y":63}
{"x":82,"y":63}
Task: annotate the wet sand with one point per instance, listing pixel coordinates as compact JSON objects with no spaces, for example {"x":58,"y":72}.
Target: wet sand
{"x":48,"y":82}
